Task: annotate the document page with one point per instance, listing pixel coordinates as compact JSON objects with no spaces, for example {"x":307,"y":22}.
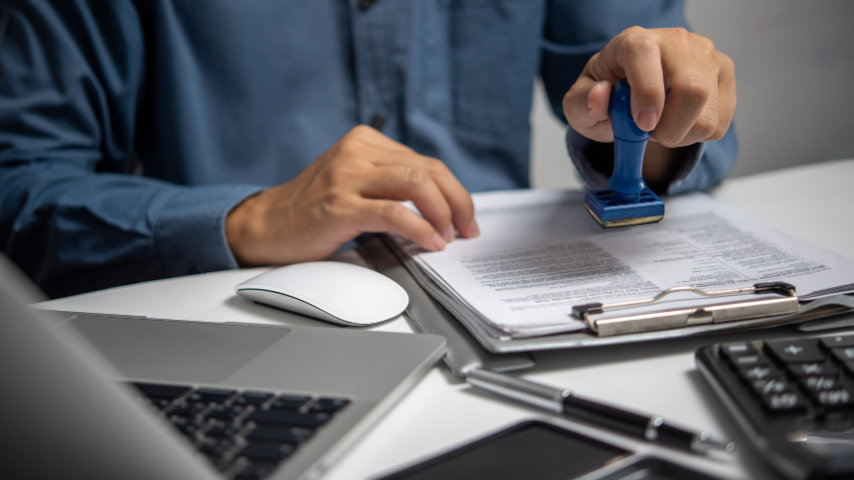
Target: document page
{"x":540,"y":253}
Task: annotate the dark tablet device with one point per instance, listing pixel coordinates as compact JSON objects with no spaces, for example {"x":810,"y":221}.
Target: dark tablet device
{"x":538,"y":450}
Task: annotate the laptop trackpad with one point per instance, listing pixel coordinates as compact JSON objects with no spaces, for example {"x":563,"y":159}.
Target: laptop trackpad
{"x":174,"y":350}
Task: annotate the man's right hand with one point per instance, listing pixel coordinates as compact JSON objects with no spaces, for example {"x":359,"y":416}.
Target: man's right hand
{"x":356,"y":186}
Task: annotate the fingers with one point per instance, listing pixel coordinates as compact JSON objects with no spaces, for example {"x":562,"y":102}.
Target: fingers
{"x":586,"y":108}
{"x":371,"y":166}
{"x":355,"y":186}
{"x":379,"y":215}
{"x":683,"y":89}
{"x":727,"y":95}
{"x":692,"y":80}
{"x":412,"y":183}
{"x":690,"y":114}
{"x":432,"y":187}
{"x":638,"y":54}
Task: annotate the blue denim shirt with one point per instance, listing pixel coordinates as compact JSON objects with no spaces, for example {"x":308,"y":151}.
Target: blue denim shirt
{"x":208,"y":101}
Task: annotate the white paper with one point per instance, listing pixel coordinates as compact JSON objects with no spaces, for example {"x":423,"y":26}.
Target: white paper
{"x":540,"y":253}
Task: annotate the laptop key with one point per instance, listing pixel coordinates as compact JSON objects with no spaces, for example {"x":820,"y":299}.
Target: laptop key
{"x":252,"y":398}
{"x":226,"y":412}
{"x":210,"y":395}
{"x":187,"y":425}
{"x":292,"y":435}
{"x":159,"y":403}
{"x":188,"y":409}
{"x":288,"y":417}
{"x":328,"y":404}
{"x":222,"y":429}
{"x":266,"y":451}
{"x":214,"y":447}
{"x":289,"y":402}
{"x":152,"y":390}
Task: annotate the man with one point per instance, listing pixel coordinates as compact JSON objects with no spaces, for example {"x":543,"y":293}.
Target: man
{"x":244,"y":123}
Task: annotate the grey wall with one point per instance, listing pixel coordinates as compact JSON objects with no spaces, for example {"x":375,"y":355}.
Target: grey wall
{"x":795,"y":71}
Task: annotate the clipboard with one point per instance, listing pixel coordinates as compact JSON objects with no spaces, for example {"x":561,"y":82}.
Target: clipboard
{"x":434,"y":311}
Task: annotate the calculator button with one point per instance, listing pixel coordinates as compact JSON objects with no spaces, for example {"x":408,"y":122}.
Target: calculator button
{"x":749,"y":360}
{"x":736,"y":349}
{"x":845,"y":354}
{"x":784,"y":402}
{"x":809,"y":369}
{"x":835,"y":341}
{"x":820,"y":383}
{"x":760,"y":372}
{"x":788,"y":351}
{"x":836,"y":397}
{"x":774,"y":385}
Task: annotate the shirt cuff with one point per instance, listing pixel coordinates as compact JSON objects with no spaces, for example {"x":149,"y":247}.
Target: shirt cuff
{"x":190,"y":230}
{"x":587,"y":155}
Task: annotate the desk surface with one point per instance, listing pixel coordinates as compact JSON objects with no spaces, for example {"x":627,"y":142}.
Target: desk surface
{"x":812,"y":202}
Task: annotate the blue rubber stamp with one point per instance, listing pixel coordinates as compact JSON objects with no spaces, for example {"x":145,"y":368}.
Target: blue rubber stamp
{"x":628,"y":201}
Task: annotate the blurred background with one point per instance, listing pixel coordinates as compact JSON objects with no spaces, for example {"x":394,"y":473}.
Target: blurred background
{"x":795,"y":70}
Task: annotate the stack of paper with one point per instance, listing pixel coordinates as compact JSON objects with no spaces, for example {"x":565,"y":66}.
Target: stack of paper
{"x":539,"y":254}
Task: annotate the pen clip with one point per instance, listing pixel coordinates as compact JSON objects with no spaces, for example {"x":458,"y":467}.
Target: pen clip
{"x":785,"y":303}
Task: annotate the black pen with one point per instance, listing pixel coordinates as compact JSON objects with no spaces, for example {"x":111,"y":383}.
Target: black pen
{"x":651,"y":428}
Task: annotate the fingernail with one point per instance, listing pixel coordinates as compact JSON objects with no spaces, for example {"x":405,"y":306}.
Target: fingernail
{"x":449,"y":235}
{"x":438,"y":242}
{"x":647,"y":118}
{"x":473,"y":230}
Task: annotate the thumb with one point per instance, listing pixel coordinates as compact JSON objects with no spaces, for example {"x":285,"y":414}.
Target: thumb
{"x":585,"y":106}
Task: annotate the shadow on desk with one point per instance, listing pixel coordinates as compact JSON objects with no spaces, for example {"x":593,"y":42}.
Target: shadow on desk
{"x":273,"y":315}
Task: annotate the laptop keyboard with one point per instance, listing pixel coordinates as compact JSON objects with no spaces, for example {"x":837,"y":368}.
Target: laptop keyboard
{"x":245,"y":434}
{"x":792,"y":397}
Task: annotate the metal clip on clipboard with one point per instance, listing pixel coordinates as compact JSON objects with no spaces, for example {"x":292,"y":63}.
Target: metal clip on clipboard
{"x":786,"y":303}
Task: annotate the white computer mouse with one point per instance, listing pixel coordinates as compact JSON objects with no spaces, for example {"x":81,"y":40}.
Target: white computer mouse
{"x":338,"y":292}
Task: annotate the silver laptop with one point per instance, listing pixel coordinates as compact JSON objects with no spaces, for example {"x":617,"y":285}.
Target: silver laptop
{"x":94,"y":396}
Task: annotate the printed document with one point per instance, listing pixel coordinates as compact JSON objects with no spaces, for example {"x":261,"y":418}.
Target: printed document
{"x":539,"y":253}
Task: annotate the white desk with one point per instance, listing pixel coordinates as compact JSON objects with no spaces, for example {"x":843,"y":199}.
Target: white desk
{"x":813,"y":202}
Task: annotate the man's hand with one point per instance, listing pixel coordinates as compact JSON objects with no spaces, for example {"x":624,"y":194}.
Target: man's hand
{"x":683,"y":89}
{"x":353,"y":187}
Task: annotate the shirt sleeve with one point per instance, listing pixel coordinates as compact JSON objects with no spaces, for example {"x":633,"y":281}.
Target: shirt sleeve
{"x":575,"y":31}
{"x":70,"y":215}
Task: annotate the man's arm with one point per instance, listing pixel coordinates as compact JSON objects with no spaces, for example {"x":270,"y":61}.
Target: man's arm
{"x":683,"y":90}
{"x":69,"y":217}
{"x":74,"y":221}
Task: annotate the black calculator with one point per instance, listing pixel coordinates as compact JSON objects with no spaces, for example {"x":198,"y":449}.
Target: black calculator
{"x":792,"y":398}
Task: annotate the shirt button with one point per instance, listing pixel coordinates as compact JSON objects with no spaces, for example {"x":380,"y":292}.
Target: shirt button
{"x":377,"y":121}
{"x":366,"y":4}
